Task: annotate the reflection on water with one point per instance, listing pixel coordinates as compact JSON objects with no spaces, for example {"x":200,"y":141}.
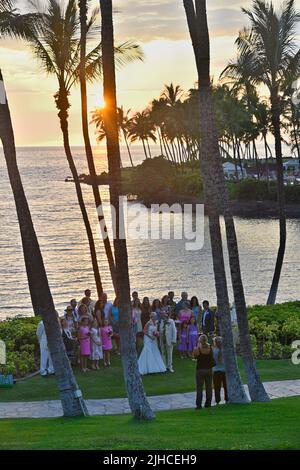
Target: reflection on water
{"x":156,"y":266}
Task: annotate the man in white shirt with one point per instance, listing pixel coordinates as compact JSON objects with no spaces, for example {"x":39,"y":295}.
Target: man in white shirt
{"x":46,"y":365}
{"x":167,"y":339}
{"x":106,"y":305}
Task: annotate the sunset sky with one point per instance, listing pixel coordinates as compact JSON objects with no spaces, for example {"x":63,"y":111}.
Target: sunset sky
{"x":159,"y":26}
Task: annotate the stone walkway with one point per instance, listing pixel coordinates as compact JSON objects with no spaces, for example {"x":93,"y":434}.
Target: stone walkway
{"x":116,"y":406}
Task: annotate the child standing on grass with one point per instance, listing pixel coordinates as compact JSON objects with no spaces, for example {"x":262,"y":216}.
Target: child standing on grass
{"x":85,"y":342}
{"x":96,"y":345}
{"x":106,"y":336}
{"x":183,"y":339}
{"x":193,"y":334}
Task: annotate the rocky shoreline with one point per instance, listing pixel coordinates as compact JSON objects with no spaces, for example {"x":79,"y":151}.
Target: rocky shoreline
{"x":251,"y":209}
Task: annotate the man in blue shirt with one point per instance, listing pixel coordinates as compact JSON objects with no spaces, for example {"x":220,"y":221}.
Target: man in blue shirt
{"x":182,"y":303}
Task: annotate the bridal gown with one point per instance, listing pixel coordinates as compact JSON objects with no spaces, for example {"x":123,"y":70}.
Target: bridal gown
{"x":150,"y":360}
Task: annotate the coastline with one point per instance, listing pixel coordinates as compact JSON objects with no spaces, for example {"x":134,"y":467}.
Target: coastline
{"x":239,"y":208}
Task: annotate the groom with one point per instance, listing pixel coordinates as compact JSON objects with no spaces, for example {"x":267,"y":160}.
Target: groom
{"x":167,"y":339}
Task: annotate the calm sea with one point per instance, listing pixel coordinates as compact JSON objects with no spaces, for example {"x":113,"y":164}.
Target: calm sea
{"x":156,"y":266}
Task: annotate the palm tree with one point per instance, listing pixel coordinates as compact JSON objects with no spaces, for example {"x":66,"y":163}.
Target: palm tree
{"x":136,"y":395}
{"x":83,"y":10}
{"x":123,"y":123}
{"x":141,"y":127}
{"x":57,"y":45}
{"x":270,"y":51}
{"x":217,"y":201}
{"x":172,"y":95}
{"x":133,"y":53}
{"x":42,"y":301}
{"x":197,"y":23}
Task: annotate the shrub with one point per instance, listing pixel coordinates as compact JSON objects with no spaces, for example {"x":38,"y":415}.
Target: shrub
{"x":274,"y":328}
{"x":19,"y":335}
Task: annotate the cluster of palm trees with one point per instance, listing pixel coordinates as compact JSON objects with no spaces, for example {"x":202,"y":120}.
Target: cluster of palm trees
{"x":243,"y":120}
{"x":206,"y":124}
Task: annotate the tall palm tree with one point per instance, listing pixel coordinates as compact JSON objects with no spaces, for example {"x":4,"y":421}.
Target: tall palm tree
{"x":57,"y":46}
{"x":133,"y":53}
{"x":42,"y":301}
{"x":270,"y":51}
{"x":136,"y":395}
{"x":217,"y":200}
{"x":123,"y":123}
{"x":83,"y":10}
{"x":197,"y":23}
{"x":141,"y":128}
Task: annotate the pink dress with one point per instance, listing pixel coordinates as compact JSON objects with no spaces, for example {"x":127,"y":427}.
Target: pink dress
{"x":106,"y":338}
{"x":85,"y":342}
{"x":185,"y":315}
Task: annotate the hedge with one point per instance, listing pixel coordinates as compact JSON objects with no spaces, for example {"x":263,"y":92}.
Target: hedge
{"x":272,"y":328}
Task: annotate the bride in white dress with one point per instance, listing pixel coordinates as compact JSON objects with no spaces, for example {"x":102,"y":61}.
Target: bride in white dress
{"x":150,"y":360}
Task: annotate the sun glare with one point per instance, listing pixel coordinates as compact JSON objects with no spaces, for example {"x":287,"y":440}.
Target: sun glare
{"x":100,"y":102}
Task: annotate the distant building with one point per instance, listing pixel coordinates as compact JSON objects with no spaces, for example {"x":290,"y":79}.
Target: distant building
{"x":232,"y":172}
{"x":291,"y":166}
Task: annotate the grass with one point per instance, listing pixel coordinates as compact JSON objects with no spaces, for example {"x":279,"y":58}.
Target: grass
{"x":109,"y":383}
{"x":274,"y":425}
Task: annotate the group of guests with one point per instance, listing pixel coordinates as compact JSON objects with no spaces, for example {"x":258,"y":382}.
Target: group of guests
{"x":90,"y":329}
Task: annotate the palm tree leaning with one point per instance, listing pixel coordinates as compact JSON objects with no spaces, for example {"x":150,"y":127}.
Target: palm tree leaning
{"x":88,"y":148}
{"x":209,"y":144}
{"x":273,"y":59}
{"x":42,"y":301}
{"x":197,"y":23}
{"x":133,"y":53}
{"x":135,"y":390}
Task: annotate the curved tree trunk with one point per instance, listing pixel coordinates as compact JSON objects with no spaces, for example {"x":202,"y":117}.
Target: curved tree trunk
{"x":128,"y":148}
{"x":144,"y":147}
{"x":275,"y":110}
{"x":63,"y":118}
{"x":87,"y":143}
{"x":137,"y":399}
{"x":197,"y":22}
{"x":70,"y":395}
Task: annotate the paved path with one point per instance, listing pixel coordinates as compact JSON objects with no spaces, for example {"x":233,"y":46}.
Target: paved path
{"x":116,"y":406}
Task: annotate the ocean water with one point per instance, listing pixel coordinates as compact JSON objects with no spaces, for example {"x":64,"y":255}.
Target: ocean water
{"x":156,"y":266}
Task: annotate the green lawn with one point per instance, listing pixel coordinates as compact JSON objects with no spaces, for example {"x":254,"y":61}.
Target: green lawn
{"x":108,"y":383}
{"x":274,"y":425}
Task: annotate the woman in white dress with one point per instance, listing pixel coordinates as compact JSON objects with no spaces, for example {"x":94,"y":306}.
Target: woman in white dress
{"x":96,"y":345}
{"x":150,"y":360}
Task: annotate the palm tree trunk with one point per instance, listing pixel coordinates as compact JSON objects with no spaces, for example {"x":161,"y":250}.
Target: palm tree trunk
{"x":256,"y":388}
{"x":200,"y":38}
{"x":88,"y":147}
{"x":128,"y":148}
{"x":149,"y":149}
{"x":42,"y":301}
{"x":239,"y":156}
{"x":267,"y":159}
{"x":135,"y":390}
{"x":275,"y":110}
{"x":296,"y":140}
{"x":62,"y":103}
{"x":256,"y":158}
{"x":144,"y":147}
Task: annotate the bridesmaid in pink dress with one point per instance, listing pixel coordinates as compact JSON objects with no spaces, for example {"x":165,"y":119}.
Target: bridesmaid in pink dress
{"x":106,"y":336}
{"x":85,"y":342}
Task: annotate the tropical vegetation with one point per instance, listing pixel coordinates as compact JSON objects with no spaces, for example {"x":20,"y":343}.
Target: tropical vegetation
{"x":273,"y":329}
